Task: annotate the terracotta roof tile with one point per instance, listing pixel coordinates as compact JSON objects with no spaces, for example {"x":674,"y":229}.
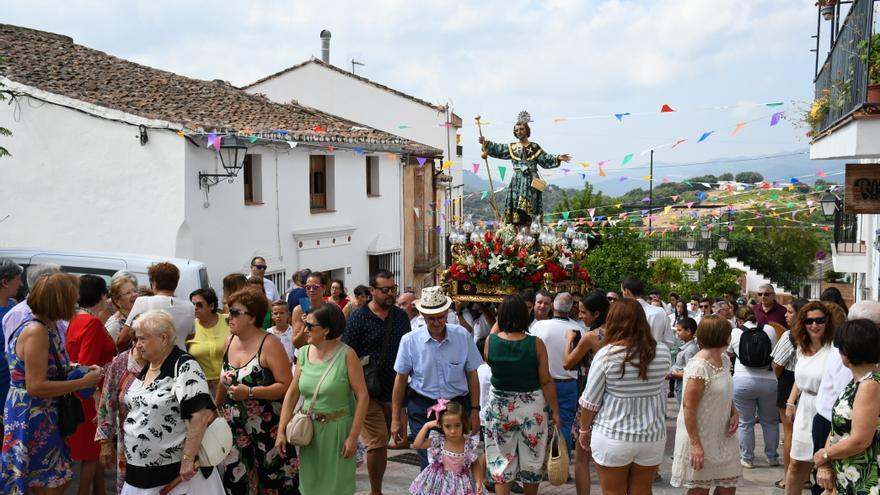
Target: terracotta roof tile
{"x":55,"y":64}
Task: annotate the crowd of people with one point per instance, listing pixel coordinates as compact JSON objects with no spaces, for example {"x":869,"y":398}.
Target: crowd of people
{"x":128,"y":377}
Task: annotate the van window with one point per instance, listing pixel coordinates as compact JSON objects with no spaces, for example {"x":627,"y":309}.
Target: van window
{"x":107,"y":275}
{"x":203,"y":279}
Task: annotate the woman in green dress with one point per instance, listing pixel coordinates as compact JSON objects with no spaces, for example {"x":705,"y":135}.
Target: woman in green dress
{"x":524,"y":193}
{"x":853,"y":448}
{"x":327,"y":464}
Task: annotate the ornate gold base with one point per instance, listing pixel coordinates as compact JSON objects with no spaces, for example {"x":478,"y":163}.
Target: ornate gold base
{"x":477,"y":292}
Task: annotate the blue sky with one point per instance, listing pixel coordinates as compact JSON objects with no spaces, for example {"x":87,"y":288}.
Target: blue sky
{"x":497,"y":57}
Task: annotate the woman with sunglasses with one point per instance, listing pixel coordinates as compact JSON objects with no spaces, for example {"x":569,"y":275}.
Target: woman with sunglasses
{"x":255,"y":376}
{"x":813,"y":332}
{"x":315,"y":292}
{"x":328,"y":462}
{"x":211,"y":333}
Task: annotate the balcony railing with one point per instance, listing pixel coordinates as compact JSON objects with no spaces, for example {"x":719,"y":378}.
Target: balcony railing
{"x":427,"y":250}
{"x":843,"y":78}
{"x":846,"y":234}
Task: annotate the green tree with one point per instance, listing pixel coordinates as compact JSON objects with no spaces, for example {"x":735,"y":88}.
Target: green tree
{"x":727,"y":176}
{"x":614,"y":257}
{"x":718,"y":279}
{"x":667,"y":275}
{"x":3,"y":131}
{"x":749,"y":177}
{"x":580,"y":201}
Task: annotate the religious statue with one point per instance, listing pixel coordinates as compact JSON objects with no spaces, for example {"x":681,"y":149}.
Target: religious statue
{"x":524,"y":193}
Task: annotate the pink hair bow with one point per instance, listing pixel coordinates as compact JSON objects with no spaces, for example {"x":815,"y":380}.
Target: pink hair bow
{"x":437,"y":408}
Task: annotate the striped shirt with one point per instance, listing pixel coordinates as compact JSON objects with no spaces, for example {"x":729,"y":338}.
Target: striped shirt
{"x":629,"y":408}
{"x":785,"y":353}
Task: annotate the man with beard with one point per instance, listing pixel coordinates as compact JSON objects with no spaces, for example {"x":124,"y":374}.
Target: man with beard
{"x":374,"y":331}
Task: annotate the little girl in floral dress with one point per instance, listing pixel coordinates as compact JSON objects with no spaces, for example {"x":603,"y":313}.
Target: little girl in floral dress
{"x":452,"y":455}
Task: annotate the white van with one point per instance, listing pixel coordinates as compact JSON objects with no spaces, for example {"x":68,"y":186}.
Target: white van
{"x":193,"y":274}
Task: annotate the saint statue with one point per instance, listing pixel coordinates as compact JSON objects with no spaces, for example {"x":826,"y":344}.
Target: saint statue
{"x":524,"y":193}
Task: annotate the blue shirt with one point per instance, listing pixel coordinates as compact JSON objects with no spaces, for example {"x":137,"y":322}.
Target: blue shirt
{"x":438,"y":370}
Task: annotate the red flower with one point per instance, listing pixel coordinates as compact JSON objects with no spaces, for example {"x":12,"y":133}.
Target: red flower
{"x":508,"y":251}
{"x":536,"y":277}
{"x":489,"y":236}
{"x":520,"y":264}
{"x":522,"y":253}
{"x":495,"y":278}
{"x":485,"y":253}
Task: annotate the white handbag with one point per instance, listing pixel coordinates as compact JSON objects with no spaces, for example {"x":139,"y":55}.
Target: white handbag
{"x":217,"y":440}
{"x":299,"y":429}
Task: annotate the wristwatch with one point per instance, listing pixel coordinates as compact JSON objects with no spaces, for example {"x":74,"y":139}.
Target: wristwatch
{"x":250,"y":392}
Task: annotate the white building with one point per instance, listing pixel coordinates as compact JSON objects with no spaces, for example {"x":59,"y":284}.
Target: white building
{"x":851,"y":131}
{"x":319,"y":84}
{"x":107,"y":156}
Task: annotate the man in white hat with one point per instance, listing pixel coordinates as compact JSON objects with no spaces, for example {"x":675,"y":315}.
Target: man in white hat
{"x":439,"y":360}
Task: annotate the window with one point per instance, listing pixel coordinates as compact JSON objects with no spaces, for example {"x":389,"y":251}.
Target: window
{"x":320,"y":183}
{"x":252,"y":174}
{"x":385,"y":261}
{"x":372,"y":176}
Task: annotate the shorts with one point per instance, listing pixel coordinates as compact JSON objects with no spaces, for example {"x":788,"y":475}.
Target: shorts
{"x":377,"y":425}
{"x":609,"y":452}
{"x":785,"y":382}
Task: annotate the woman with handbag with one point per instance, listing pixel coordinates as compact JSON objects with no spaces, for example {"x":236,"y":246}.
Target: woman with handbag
{"x":327,"y":461}
{"x":254,"y":377}
{"x":169,"y":410}
{"x":35,"y":456}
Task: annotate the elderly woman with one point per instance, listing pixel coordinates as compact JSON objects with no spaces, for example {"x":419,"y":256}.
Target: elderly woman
{"x":853,"y":448}
{"x":327,"y":464}
{"x":211,"y":333}
{"x":624,"y":408}
{"x":10,"y":281}
{"x":88,"y":343}
{"x":315,"y":292}
{"x":169,"y":408}
{"x":813,"y":333}
{"x":255,"y":376}
{"x":112,"y":411}
{"x":705,"y":452}
{"x":35,"y":458}
{"x":123,"y":293}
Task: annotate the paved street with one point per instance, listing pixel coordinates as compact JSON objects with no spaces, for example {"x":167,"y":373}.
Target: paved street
{"x":758,"y":481}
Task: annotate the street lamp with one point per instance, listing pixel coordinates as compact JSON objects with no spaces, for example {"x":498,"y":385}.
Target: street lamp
{"x":232,"y":154}
{"x":706,"y":235}
{"x":830,"y":204}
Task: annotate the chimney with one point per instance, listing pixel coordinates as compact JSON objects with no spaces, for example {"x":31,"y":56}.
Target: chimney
{"x":325,"y":46}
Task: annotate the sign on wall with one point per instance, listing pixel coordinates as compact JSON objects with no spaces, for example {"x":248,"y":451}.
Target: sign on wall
{"x":862,"y":188}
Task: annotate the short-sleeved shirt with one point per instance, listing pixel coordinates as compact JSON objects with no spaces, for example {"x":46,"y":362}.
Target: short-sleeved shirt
{"x":554,"y":334}
{"x":776,"y":314}
{"x":784,"y":352}
{"x":286,"y":338}
{"x":739,"y":369}
{"x":687,"y":351}
{"x":365,"y":333}
{"x":629,"y":408}
{"x":155,"y":429}
{"x":294,"y":297}
{"x":182,"y":311}
{"x":438,"y":370}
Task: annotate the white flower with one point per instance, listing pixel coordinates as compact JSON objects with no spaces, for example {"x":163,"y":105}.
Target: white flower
{"x":852,"y":473}
{"x":875,"y":490}
{"x":564,"y":261}
{"x":496,"y":261}
{"x":841,"y":478}
{"x":843,"y":410}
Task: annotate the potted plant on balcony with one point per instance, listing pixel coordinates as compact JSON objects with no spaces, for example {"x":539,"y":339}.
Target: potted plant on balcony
{"x":826,"y":8}
{"x":815,"y":115}
{"x":872,"y":65}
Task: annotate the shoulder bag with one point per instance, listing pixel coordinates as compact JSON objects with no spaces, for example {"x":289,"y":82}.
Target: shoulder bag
{"x":70,"y":409}
{"x":299,"y":430}
{"x":217,"y":439}
{"x":372,"y":366}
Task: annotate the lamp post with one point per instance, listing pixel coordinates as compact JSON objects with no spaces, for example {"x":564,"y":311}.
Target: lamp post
{"x":706,"y":251}
{"x":232,"y":154}
{"x":830,"y":205}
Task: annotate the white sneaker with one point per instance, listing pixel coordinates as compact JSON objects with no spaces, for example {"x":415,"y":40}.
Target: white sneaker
{"x":747,"y":464}
{"x":773,"y":462}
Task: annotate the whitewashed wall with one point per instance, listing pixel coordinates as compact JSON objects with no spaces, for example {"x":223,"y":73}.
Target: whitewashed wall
{"x":82,"y":183}
{"x":76,"y":182}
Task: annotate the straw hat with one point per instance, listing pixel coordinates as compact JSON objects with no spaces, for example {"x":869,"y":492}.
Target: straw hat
{"x":433,"y":301}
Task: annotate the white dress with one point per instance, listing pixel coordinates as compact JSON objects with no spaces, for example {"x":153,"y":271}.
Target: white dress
{"x":721,"y":452}
{"x":807,"y":376}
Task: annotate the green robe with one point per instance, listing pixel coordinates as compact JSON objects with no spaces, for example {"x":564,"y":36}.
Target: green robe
{"x":523,"y":201}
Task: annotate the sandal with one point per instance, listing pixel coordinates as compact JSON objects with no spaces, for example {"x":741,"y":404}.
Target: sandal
{"x":780,"y":484}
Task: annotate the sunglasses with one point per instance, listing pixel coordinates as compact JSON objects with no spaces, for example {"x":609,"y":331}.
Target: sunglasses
{"x":704,"y":306}
{"x":310,"y":326}
{"x":387,"y":290}
{"x":260,"y":267}
{"x":235,"y":313}
{"x":314,"y":287}
{"x":764,"y":294}
{"x":818,"y":321}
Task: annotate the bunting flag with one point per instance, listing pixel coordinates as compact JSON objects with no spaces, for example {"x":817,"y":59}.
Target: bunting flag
{"x":627,"y":159}
{"x":214,"y":141}
{"x":417,"y":211}
{"x":403,"y":127}
{"x":359,"y":151}
{"x":446,"y":164}
{"x":180,"y":134}
{"x":565,"y":215}
{"x":592,"y":212}
{"x":476,"y":167}
{"x":501,"y":171}
{"x":820,"y":173}
{"x":292,"y":144}
{"x":620,"y":116}
{"x":421,"y":161}
{"x":738,"y":128}
{"x":647,"y":177}
{"x":253,"y":139}
{"x":775,"y":118}
{"x":705,"y":136}
{"x":585,"y":164}
{"x":391,"y":156}
{"x":317,"y":128}
{"x":749,"y":227}
{"x":483,"y":195}
{"x":666,"y":108}
{"x":677,"y":143}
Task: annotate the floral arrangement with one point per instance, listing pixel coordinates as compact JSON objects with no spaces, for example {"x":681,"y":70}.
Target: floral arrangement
{"x":817,"y":112}
{"x":507,"y":258}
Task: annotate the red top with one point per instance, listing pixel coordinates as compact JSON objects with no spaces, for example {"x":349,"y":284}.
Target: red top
{"x":341,"y":303}
{"x":88,"y":343}
{"x":776,"y":314}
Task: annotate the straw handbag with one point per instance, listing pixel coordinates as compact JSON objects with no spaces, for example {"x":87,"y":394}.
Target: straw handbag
{"x":557,"y":459}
